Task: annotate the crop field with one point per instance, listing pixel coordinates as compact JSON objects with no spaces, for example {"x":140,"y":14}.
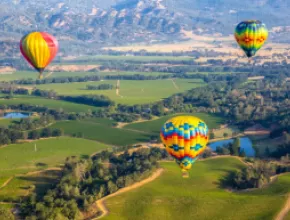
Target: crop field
{"x":33,"y":75}
{"x":102,"y":133}
{"x":111,"y":73}
{"x":154,"y":126}
{"x":50,"y":103}
{"x":49,"y":152}
{"x":199,"y":196}
{"x":131,"y":91}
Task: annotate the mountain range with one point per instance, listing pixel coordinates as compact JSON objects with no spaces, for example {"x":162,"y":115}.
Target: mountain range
{"x":90,"y":25}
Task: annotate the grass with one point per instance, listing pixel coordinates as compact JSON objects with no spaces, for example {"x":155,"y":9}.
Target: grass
{"x":131,"y":91}
{"x":154,"y":126}
{"x":50,"y":103}
{"x":6,"y":122}
{"x":104,"y":134}
{"x":23,"y":185}
{"x":33,"y":75}
{"x":198,"y":197}
{"x":17,"y":158}
{"x":132,"y":73}
{"x":102,"y":121}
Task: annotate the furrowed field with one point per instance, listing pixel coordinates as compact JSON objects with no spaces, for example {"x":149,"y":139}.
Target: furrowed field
{"x":50,"y":103}
{"x":102,"y":133}
{"x":131,"y":91}
{"x":154,"y":126}
{"x":198,"y":197}
{"x":34,"y":75}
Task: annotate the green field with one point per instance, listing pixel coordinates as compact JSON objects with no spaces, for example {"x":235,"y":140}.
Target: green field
{"x":50,"y":103}
{"x":132,"y":73}
{"x":155,"y":125}
{"x":50,"y":152}
{"x":131,"y":91}
{"x":198,"y":197}
{"x":34,"y":75}
{"x":21,"y":185}
{"x":6,"y":122}
{"x":102,"y":133}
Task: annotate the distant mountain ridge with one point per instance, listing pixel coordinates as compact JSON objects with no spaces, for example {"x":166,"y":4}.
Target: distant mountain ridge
{"x":105,"y":23}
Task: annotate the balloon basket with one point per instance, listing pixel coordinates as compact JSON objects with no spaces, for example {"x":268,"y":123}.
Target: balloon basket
{"x":185,"y":174}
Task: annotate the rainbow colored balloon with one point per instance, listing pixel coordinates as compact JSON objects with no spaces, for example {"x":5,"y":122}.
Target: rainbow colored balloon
{"x":185,"y":138}
{"x":251,"y":36}
{"x":39,"y":49}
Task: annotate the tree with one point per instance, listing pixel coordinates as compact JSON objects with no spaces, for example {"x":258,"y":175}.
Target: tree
{"x":242,"y":153}
{"x":225,"y":135}
{"x":211,"y":135}
{"x":33,"y":135}
{"x":57,"y":132}
{"x":267,"y":152}
{"x":235,"y":147}
{"x":46,"y":132}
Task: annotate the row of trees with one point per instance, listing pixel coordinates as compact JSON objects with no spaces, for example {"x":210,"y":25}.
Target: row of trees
{"x":9,"y":136}
{"x":86,"y":180}
{"x":100,"y":87}
{"x":31,"y":124}
{"x":44,"y":133}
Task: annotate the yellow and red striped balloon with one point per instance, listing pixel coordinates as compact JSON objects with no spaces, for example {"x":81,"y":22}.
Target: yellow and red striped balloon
{"x":39,"y":49}
{"x":185,"y":138}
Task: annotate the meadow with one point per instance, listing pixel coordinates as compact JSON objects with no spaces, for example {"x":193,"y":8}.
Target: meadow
{"x":131,"y":91}
{"x":50,"y":152}
{"x":50,"y":103}
{"x":6,"y":122}
{"x":198,"y":197}
{"x":48,"y":74}
{"x":22,"y":185}
{"x":154,"y":126}
{"x":103,"y":133}
{"x":18,"y":159}
{"x":33,"y":75}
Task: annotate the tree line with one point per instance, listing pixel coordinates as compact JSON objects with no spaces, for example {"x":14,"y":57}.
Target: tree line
{"x":100,"y":87}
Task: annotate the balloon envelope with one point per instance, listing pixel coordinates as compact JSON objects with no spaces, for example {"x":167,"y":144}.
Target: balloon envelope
{"x":39,"y":49}
{"x":185,"y":138}
{"x":251,"y":36}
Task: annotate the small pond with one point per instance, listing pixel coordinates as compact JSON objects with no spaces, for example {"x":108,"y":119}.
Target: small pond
{"x":16,"y":115}
{"x":246,"y":145}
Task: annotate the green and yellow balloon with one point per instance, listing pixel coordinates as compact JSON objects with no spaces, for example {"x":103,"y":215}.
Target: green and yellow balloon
{"x":251,"y":36}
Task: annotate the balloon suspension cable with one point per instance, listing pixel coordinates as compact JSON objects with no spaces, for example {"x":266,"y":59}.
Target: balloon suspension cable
{"x":251,"y":62}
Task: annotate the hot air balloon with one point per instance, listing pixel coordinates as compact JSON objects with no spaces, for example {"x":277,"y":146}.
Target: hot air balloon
{"x":39,"y":49}
{"x":251,"y":36}
{"x":185,"y":138}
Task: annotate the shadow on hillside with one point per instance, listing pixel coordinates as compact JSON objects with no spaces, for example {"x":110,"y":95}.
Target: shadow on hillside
{"x":40,"y":184}
{"x":41,"y":165}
